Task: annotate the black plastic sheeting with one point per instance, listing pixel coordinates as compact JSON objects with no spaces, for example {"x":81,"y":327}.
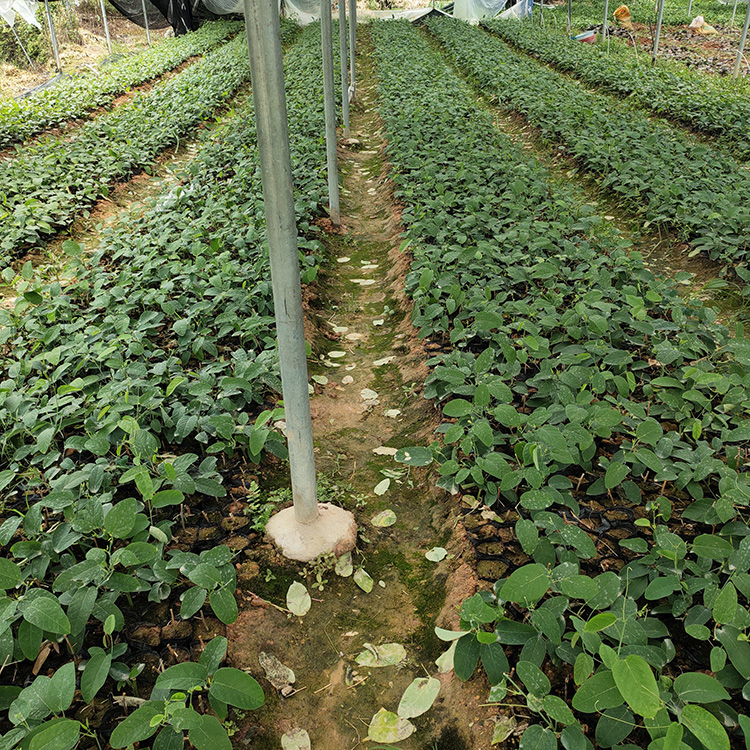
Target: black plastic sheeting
{"x":161,"y":13}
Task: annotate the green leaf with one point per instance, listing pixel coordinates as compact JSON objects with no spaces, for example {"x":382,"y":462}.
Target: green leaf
{"x":224,"y":605}
{"x":459,"y":407}
{"x":725,"y":605}
{"x":597,"y":694}
{"x":183,"y":677}
{"x":10,"y":574}
{"x":600,"y":622}
{"x":536,"y":682}
{"x":537,"y":737}
{"x":614,"y":725}
{"x":636,"y":682}
{"x":557,"y":709}
{"x":418,"y":697}
{"x":649,"y":432}
{"x":705,"y":726}
{"x":363,"y":579}
{"x":237,"y":689}
{"x":62,"y":688}
{"x":615,"y":473}
{"x":526,"y":585}
{"x":697,"y":687}
{"x":494,"y":661}
{"x":192,"y":601}
{"x":95,"y":673}
{"x":527,"y":534}
{"x":466,"y":657}
{"x":583,"y":667}
{"x":415,"y":456}
{"x":119,"y":522}
{"x":136,"y":727}
{"x":165,"y":498}
{"x":59,"y":735}
{"x":213,"y":654}
{"x":210,"y":735}
{"x":47,"y":614}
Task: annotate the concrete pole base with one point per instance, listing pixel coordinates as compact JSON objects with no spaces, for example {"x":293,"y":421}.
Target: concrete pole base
{"x":334,"y":530}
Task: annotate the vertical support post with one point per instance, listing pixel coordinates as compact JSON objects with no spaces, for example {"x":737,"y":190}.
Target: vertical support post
{"x":145,"y":21}
{"x":655,"y":50}
{"x":570,"y":24}
{"x":344,"y":68}
{"x":106,"y":26}
{"x":734,"y":13}
{"x":352,"y":49}
{"x":53,"y":37}
{"x":741,"y":48}
{"x":606,"y":18}
{"x":541,"y":13}
{"x":329,"y":101}
{"x":267,"y":73}
{"x":690,"y":9}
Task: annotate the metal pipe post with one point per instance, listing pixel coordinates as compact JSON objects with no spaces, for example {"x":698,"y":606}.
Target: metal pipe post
{"x":655,"y":50}
{"x":145,"y":21}
{"x":570,"y":24}
{"x":352,"y":49}
{"x":329,"y":101}
{"x":690,"y":9}
{"x":606,"y":17}
{"x":741,"y":48}
{"x":734,"y":13}
{"x":267,"y":74}
{"x":344,"y":68}
{"x":53,"y":36}
{"x":106,"y":27}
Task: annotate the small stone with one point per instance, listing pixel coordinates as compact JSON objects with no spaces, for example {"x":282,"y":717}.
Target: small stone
{"x":347,"y":379}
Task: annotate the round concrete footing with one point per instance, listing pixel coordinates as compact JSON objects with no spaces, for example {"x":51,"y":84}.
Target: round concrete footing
{"x":334,"y":530}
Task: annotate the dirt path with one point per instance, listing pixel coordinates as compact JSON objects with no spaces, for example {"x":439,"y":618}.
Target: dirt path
{"x":362,"y":308}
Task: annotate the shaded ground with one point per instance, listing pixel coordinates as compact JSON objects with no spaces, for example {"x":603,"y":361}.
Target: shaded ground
{"x":364,"y":309}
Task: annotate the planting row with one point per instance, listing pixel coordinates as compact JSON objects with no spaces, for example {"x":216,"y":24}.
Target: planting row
{"x":126,"y":383}
{"x":50,"y":182}
{"x":586,"y":12}
{"x":576,"y":382}
{"x":74,"y":97}
{"x":717,"y":106}
{"x":697,"y":191}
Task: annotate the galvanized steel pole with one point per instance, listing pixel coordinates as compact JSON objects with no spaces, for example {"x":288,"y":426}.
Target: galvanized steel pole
{"x":569,"y":19}
{"x":267,"y":74}
{"x":329,"y":102}
{"x":352,"y":49}
{"x":145,"y":21}
{"x":655,"y":50}
{"x":606,"y":17}
{"x":690,"y":8}
{"x":106,"y":27}
{"x":53,"y":36}
{"x":734,"y":13}
{"x":741,"y":48}
{"x":344,"y":68}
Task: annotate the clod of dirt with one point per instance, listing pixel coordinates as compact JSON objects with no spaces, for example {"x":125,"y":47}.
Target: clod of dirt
{"x":148,"y":634}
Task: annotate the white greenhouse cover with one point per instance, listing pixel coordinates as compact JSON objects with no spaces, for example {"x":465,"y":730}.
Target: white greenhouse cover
{"x":24,"y":8}
{"x":476,"y":10}
{"x":302,"y":11}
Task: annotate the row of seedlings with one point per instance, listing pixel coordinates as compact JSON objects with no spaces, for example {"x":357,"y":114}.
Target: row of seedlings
{"x":129,"y":384}
{"x":716,"y":106}
{"x":696,"y":191}
{"x":73,"y":97}
{"x":575,"y":383}
{"x":50,"y":182}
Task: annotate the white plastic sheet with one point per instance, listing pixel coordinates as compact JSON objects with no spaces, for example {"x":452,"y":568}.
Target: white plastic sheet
{"x":24,"y":8}
{"x":476,"y":10}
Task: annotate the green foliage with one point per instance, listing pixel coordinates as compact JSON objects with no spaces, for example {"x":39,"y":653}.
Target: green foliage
{"x":121,"y":389}
{"x":705,"y":103}
{"x":654,"y":170}
{"x":73,"y":97}
{"x":567,"y":358}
